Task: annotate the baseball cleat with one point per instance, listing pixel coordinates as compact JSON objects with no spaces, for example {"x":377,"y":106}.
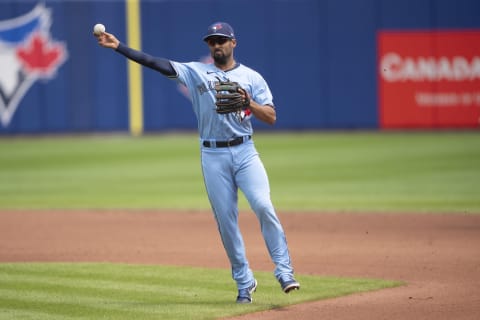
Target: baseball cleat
{"x":289,"y":284}
{"x":245,"y":295}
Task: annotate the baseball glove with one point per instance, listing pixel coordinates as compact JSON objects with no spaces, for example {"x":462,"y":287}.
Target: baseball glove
{"x":229,"y":97}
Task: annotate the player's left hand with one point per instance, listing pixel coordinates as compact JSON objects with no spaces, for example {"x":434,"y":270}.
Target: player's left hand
{"x":245,"y":97}
{"x":230,"y":97}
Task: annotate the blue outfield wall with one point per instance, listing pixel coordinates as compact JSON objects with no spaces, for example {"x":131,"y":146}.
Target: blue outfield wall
{"x":318,"y":56}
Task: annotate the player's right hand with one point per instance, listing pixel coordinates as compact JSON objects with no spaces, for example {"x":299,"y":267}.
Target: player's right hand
{"x":107,"y":40}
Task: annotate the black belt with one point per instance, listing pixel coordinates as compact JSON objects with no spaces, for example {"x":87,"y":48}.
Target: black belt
{"x":227,"y":143}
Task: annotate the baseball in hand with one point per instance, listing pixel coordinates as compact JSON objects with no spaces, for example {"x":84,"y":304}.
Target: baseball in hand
{"x":98,"y":29}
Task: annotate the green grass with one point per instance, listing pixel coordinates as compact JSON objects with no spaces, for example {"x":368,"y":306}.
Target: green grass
{"x":117,"y":291}
{"x":400,"y":172}
{"x":339,"y":171}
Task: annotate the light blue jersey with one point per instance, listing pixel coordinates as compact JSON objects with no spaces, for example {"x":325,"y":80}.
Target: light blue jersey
{"x":227,"y":169}
{"x":200,"y":80}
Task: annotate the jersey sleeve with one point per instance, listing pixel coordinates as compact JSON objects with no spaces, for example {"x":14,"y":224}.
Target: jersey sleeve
{"x":182,"y":73}
{"x":261,"y":92}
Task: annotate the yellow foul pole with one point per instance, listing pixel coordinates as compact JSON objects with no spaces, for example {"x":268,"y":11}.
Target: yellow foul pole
{"x":135,"y":85}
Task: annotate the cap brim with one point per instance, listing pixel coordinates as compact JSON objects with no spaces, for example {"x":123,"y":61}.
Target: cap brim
{"x":217,"y":35}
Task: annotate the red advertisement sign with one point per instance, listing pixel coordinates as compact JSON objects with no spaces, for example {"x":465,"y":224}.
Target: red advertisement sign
{"x":429,"y":79}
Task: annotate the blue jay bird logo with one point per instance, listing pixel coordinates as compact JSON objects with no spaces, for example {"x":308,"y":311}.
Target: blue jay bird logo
{"x":27,"y":53}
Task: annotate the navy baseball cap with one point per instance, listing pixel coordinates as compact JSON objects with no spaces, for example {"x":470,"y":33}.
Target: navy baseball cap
{"x":220,"y":29}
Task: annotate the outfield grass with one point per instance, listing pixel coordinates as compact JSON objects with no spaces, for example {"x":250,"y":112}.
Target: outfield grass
{"x":117,"y":291}
{"x":363,"y":171}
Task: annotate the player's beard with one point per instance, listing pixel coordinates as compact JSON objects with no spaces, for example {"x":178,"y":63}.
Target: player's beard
{"x":220,"y":58}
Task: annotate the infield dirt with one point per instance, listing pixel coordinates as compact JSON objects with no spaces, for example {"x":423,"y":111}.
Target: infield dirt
{"x":437,"y":256}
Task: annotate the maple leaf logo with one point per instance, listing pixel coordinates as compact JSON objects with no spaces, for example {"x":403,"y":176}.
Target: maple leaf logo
{"x":41,"y":56}
{"x":27,"y":54}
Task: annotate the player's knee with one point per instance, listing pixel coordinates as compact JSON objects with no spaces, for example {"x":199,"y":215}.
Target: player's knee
{"x":263,"y":208}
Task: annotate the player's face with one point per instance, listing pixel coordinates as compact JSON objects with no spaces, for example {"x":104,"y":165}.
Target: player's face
{"x":221,"y":49}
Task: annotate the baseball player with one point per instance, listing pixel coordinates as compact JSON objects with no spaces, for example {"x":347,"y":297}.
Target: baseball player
{"x":228,"y":156}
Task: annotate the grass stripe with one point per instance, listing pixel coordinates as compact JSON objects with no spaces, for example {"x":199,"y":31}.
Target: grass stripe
{"x":9,"y":312}
{"x":61,"y":306}
{"x":120,"y":288}
{"x":93,"y":273}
